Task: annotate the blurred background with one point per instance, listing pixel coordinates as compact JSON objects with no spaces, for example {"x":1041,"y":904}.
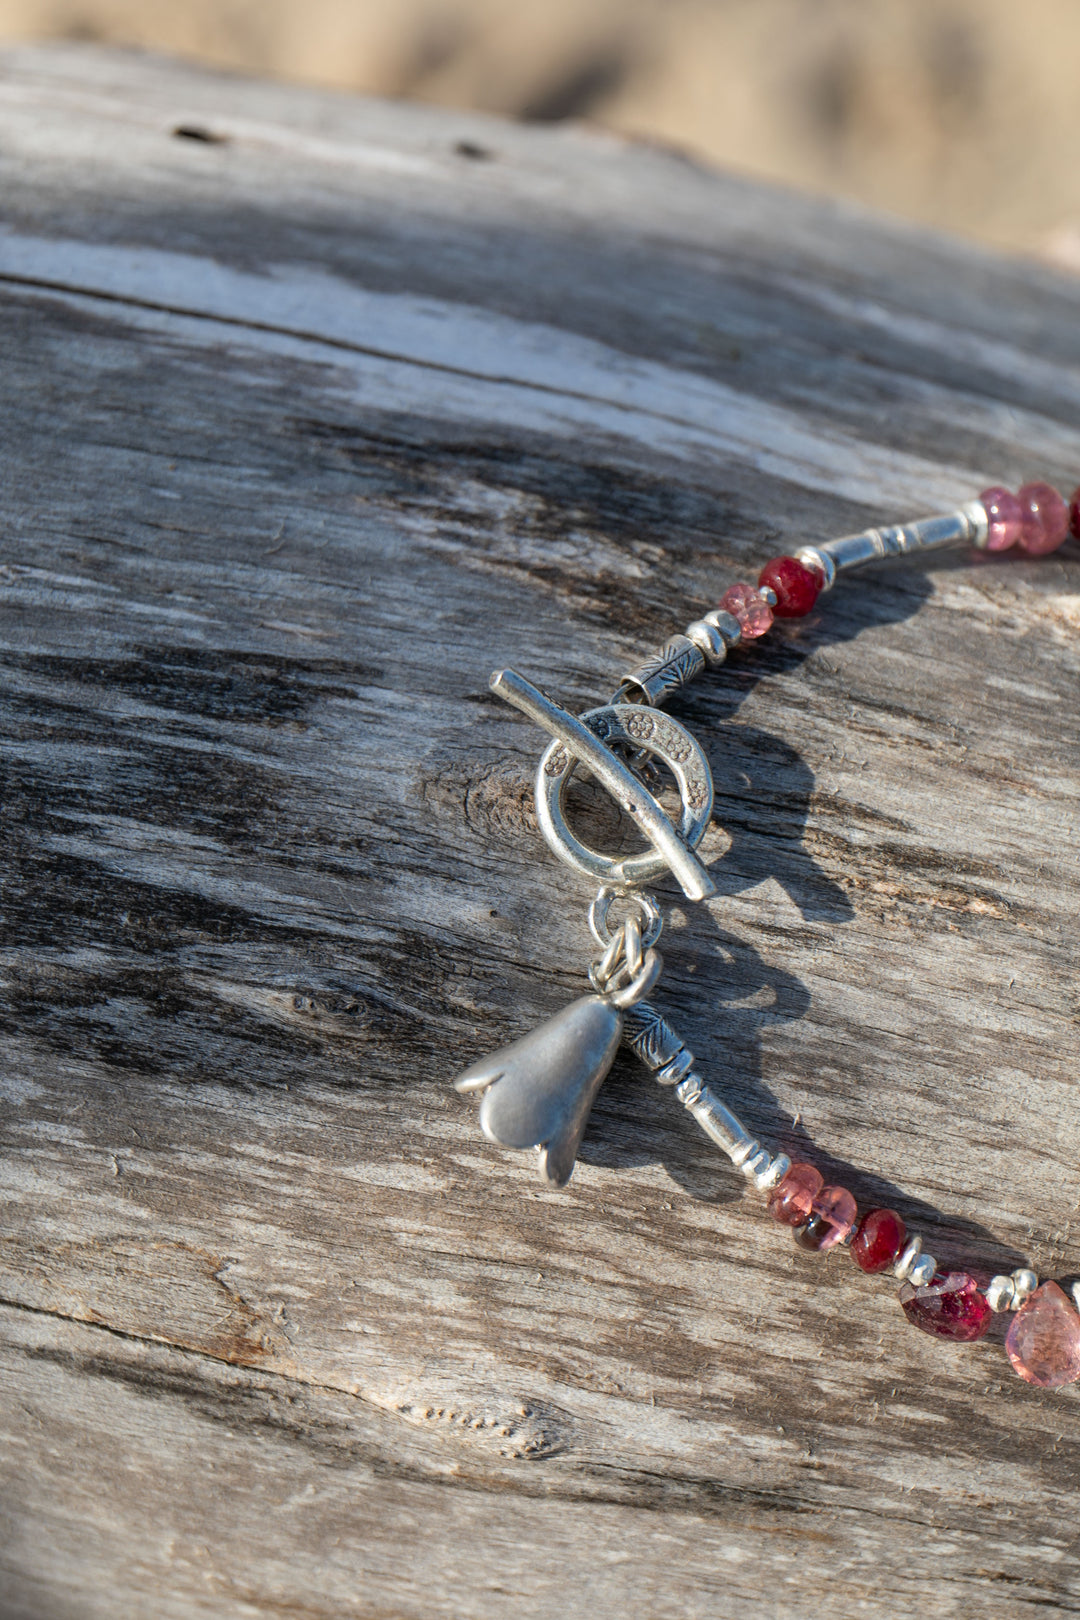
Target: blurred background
{"x":957,"y":113}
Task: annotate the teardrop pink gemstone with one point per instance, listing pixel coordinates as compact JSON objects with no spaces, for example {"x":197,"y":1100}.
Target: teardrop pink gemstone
{"x":1043,"y":1341}
{"x":950,"y":1306}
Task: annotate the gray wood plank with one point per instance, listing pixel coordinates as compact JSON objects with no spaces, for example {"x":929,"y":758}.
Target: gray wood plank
{"x":308,"y":428}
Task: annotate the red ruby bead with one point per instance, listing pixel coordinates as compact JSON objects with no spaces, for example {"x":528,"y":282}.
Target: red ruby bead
{"x":1005,"y":518}
{"x":791,"y":1201}
{"x":797,"y":587}
{"x":950,"y":1306}
{"x":879,"y":1241}
{"x":1045,"y":519}
{"x":1074,"y":515}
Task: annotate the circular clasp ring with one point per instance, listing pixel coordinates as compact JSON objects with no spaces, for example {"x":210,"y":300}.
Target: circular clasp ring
{"x":643,"y":730}
{"x":651,"y":920}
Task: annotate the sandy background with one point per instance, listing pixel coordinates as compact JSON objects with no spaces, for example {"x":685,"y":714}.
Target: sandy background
{"x":961,"y":113}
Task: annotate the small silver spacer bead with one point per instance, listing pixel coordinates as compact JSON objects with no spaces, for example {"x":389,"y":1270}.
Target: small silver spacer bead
{"x":811,"y":557}
{"x":1000,"y":1293}
{"x":1025,"y":1282}
{"x":923,"y":1271}
{"x":708,"y":640}
{"x":676,"y":1070}
{"x":774,"y":1175}
{"x":979,"y":518}
{"x":902,"y":1268}
{"x":727,"y":624}
{"x":756,"y":1164}
{"x":767,"y":594}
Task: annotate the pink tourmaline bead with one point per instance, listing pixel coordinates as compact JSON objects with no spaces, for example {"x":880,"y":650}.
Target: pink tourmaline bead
{"x":1045,"y":519}
{"x":950,"y":1306}
{"x":792,"y":1200}
{"x":1005,"y":516}
{"x":750,"y":608}
{"x":834,"y":1210}
{"x":1043,"y":1341}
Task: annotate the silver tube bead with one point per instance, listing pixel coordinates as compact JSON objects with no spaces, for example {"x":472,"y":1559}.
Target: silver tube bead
{"x":968,"y":525}
{"x":912,"y":1251}
{"x":1025,"y":1283}
{"x":653,"y":682}
{"x":716,"y":1120}
{"x":1000,"y":1293}
{"x":923,"y":1271}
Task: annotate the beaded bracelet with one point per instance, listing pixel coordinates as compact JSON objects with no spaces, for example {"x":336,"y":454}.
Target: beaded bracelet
{"x":537,"y":1092}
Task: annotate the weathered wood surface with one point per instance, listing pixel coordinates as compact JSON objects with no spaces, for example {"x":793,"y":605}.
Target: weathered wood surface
{"x":307,"y":427}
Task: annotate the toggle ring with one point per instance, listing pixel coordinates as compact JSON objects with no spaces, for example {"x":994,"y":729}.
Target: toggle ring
{"x":643,"y":730}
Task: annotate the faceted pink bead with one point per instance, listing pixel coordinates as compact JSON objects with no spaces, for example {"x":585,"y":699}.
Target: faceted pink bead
{"x":750,"y":608}
{"x":1045,"y":519}
{"x":792,"y":1200}
{"x":837,"y":1209}
{"x":1043,"y":1341}
{"x":950,"y":1306}
{"x":1006,"y":517}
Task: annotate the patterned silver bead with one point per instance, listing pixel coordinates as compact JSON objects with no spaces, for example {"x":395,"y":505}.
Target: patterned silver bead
{"x":708,"y":640}
{"x":1000,"y":1293}
{"x":923,"y":1271}
{"x":1025,"y":1282}
{"x":902,"y":1268}
{"x":653,"y":682}
{"x":727,"y":624}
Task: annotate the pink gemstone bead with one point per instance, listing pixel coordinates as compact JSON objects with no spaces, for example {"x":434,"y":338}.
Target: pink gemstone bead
{"x":1074,"y":515}
{"x":1045,"y":519}
{"x":950,"y":1306}
{"x":1005,"y":516}
{"x":837,"y":1209}
{"x":792,"y":1200}
{"x":1043,"y":1341}
{"x":750,"y":608}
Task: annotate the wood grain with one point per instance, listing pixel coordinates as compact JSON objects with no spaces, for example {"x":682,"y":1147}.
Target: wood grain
{"x":309,"y":424}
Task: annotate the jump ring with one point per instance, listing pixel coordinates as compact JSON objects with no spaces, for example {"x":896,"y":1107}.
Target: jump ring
{"x":652,"y":918}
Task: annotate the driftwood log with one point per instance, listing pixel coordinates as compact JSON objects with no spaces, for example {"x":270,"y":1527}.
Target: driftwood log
{"x":314,"y":412}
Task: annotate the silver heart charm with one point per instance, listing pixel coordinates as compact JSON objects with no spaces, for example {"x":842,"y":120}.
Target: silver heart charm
{"x":538,"y":1091}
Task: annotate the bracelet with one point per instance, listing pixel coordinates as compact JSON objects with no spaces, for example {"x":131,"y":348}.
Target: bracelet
{"x":537,"y":1092}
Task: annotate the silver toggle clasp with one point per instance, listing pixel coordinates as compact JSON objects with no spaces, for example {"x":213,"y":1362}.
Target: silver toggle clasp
{"x":589,"y":741}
